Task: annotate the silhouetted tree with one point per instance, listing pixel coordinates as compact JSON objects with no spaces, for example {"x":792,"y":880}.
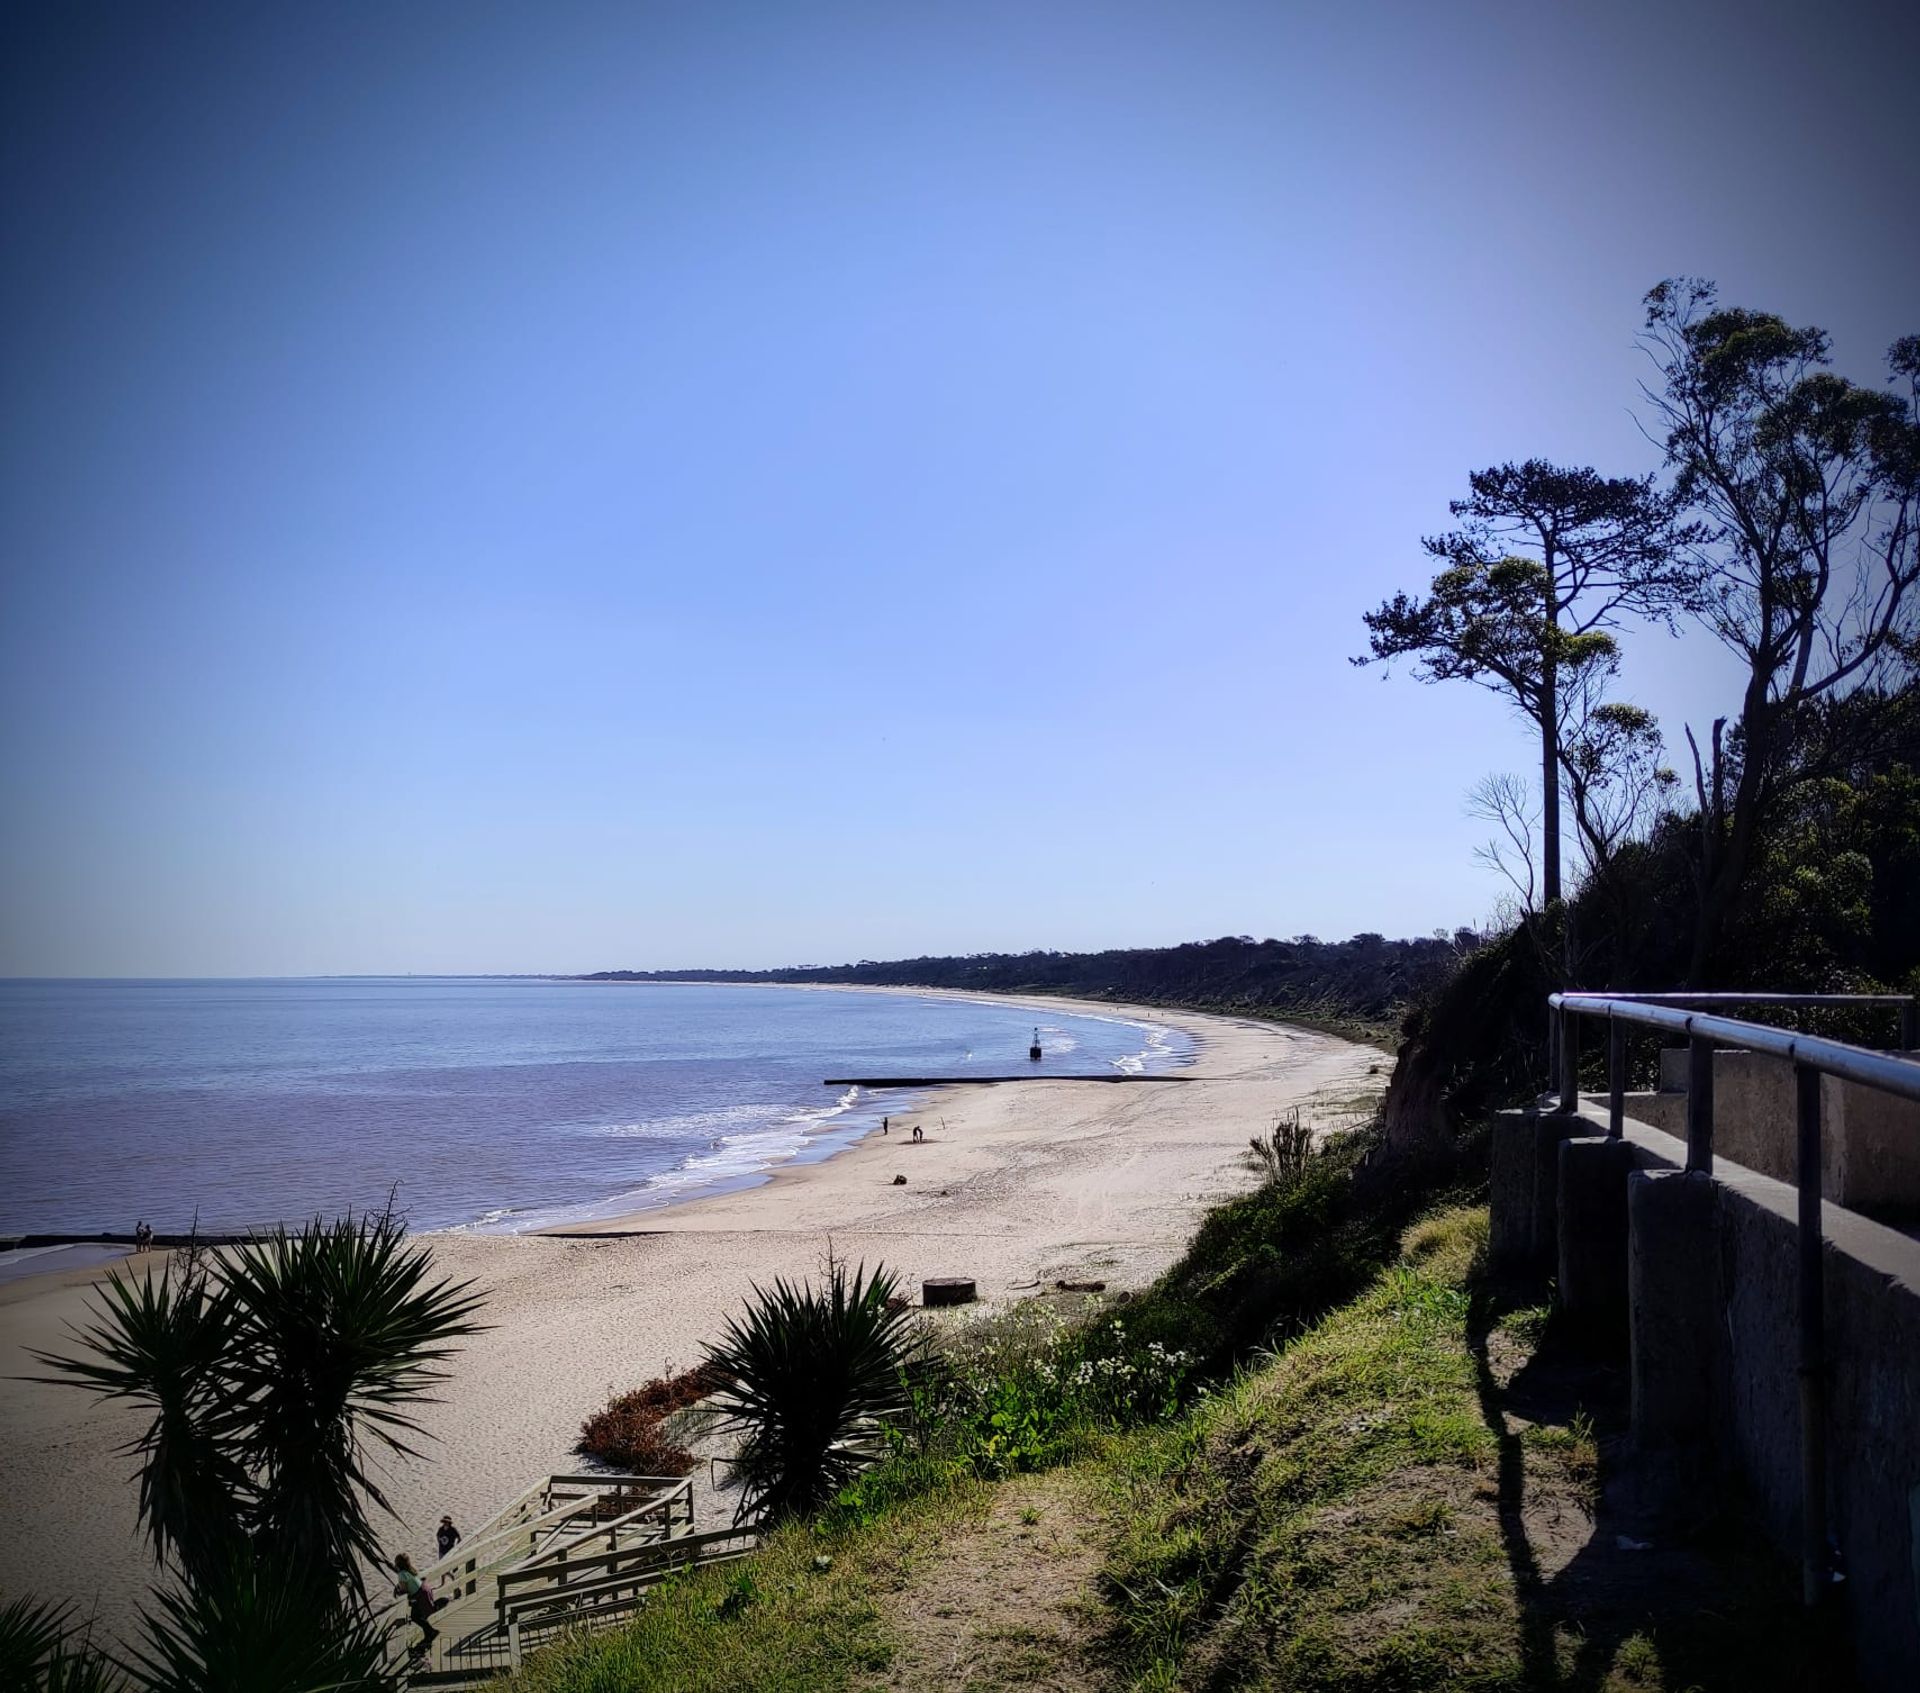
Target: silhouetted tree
{"x":1506,"y":800}
{"x":1545,"y":561}
{"x":1617,"y":777}
{"x":1809,"y":488}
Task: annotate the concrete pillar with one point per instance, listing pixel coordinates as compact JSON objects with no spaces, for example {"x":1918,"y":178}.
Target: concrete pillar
{"x":1510,"y":1194}
{"x":1549,"y":1130}
{"x":1673,"y":1306}
{"x":1592,"y":1214}
{"x":1524,"y":1187}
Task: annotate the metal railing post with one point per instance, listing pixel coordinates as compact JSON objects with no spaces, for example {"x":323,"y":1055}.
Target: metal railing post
{"x":1616,"y":1076}
{"x":1910,"y":1026}
{"x":1700,"y":1104}
{"x":1569,"y":1061}
{"x":1555,"y":1019}
{"x":1813,"y":1343}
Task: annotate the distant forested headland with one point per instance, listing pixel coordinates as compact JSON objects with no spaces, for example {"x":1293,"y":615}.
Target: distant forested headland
{"x":1356,"y":985}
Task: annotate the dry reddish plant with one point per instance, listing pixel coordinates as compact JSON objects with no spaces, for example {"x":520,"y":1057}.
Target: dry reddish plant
{"x":627,"y":1432}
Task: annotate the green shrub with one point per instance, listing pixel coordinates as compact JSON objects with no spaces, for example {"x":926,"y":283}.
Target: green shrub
{"x":1032,"y":1389}
{"x":1280,"y":1155}
{"x":811,"y":1379}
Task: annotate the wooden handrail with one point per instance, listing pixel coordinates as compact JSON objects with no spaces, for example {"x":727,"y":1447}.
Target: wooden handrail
{"x":648,"y":1564}
{"x":663,"y":1506}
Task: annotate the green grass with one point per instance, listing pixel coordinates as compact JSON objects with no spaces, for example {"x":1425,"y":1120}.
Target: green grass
{"x":775,"y":1622}
{"x":1351,"y":1517}
{"x":1321,"y":1491}
{"x":1266,"y":1264}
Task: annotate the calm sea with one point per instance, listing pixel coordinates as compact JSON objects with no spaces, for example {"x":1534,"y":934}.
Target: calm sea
{"x":492,"y":1104}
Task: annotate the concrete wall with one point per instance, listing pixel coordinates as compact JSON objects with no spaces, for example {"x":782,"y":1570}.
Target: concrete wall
{"x":1664,"y":1111}
{"x":1873,"y":1399}
{"x":1869,"y":1141}
{"x":1701,"y":1273}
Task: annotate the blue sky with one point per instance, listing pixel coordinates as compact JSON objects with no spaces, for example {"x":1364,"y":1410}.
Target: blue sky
{"x":522,"y":488}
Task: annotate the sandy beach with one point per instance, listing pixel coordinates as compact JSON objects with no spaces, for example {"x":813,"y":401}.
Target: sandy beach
{"x":1014,"y":1185}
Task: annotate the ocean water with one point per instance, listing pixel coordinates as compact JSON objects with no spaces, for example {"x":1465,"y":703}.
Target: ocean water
{"x":500,"y":1105}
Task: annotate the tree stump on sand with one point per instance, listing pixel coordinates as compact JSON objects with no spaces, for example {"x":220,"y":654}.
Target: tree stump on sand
{"x":947,"y":1290}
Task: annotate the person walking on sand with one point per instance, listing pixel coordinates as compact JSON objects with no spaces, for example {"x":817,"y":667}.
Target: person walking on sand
{"x":447,"y":1535}
{"x":884,"y":1121}
{"x":142,"y":1236}
{"x":419,"y":1602}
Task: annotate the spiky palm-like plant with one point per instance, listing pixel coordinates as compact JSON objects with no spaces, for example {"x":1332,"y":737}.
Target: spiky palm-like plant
{"x":245,"y":1627}
{"x":41,"y":1650}
{"x":811,"y":1375}
{"x":239,"y":1628}
{"x":274,"y":1372}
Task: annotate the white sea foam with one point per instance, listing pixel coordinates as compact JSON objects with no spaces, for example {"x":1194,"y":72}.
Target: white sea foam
{"x":1155,"y":1053}
{"x":758,"y":1143}
{"x":839,"y":1108}
{"x":684,"y":1125}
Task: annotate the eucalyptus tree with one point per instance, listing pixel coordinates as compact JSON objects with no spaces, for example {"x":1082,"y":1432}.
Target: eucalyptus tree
{"x":1807,"y":487}
{"x":1617,"y":776}
{"x":1546,"y":562}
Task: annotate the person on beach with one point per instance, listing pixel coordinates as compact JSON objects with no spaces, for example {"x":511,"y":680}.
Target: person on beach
{"x":916,"y":1132}
{"x":884,"y":1121}
{"x":142,"y":1236}
{"x":448,"y":1536}
{"x":420,"y":1606}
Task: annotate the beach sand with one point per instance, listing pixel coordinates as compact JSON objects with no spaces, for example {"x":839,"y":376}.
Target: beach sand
{"x":1015,"y":1185}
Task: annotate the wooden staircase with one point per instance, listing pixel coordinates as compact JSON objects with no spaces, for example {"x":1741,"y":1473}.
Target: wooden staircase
{"x":573,"y":1551}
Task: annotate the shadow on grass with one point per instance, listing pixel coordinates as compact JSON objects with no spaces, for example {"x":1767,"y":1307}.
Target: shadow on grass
{"x":1669,"y":1586}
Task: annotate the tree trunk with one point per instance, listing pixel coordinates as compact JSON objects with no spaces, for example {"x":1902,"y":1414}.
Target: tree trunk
{"x":1722,"y":887}
{"x":1549,"y":785}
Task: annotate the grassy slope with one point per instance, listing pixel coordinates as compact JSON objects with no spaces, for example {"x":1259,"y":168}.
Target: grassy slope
{"x":1357,"y":1512}
{"x":771,"y":1623}
{"x":1366,"y":1513}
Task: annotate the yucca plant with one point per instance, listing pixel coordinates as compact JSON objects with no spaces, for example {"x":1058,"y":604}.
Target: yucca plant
{"x":273,"y":1370}
{"x":251,"y":1626}
{"x":41,"y":1651}
{"x":811,"y":1375}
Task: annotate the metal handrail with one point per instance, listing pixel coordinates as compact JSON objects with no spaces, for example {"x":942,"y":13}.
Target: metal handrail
{"x":1706,"y":999}
{"x":1905,"y":1003}
{"x":1812,"y":1057}
{"x":1850,"y":1063}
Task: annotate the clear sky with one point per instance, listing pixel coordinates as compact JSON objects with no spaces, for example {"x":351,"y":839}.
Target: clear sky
{"x":556,"y":486}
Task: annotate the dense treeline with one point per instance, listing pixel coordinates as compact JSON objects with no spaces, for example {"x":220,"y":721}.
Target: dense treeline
{"x":1365,"y":979}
